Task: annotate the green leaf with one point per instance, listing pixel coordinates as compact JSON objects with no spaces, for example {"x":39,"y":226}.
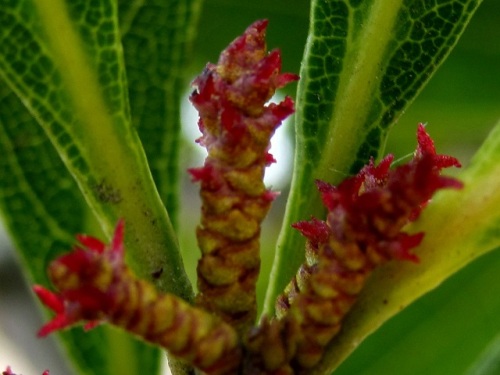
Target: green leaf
{"x":65,"y":61}
{"x":74,"y":83}
{"x":441,"y":333}
{"x":43,"y":209}
{"x":157,"y":38}
{"x":365,"y":61}
{"x":459,"y":226}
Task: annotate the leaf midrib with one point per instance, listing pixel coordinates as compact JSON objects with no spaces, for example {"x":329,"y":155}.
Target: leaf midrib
{"x":79,"y":79}
{"x":358,"y":80}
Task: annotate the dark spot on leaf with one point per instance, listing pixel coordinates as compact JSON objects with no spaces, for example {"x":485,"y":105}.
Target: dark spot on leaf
{"x":156,"y":274}
{"x":106,"y":193}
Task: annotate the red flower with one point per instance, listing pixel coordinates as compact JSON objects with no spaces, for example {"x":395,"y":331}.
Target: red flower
{"x":363,"y":229}
{"x":371,"y":208}
{"x":84,"y":277}
{"x":236,"y":125}
{"x":95,"y":286}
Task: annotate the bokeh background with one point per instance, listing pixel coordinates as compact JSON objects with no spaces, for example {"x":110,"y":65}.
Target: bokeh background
{"x":440,"y":334}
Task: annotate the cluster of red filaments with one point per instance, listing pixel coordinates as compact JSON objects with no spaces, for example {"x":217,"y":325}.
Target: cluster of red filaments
{"x":95,"y":286}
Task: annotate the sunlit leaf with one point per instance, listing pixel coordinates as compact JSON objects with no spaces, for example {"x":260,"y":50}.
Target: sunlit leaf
{"x":74,"y":83}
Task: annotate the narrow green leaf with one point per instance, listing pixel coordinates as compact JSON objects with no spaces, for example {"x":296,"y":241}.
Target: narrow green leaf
{"x":459,"y":226}
{"x":42,"y":208}
{"x":364,"y":63}
{"x":65,"y":61}
{"x":157,"y":38}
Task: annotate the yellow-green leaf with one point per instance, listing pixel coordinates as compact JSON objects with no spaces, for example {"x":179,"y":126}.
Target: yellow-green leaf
{"x":459,"y":226}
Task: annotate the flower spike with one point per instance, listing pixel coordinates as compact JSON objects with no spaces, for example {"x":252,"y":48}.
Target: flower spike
{"x":95,"y":286}
{"x":236,"y":126}
{"x":363,"y":230}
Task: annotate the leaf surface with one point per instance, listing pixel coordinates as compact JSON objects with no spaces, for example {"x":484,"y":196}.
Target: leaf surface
{"x":73,"y":81}
{"x":365,"y":61}
{"x":157,"y":37}
{"x":42,"y":209}
{"x":488,"y":363}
